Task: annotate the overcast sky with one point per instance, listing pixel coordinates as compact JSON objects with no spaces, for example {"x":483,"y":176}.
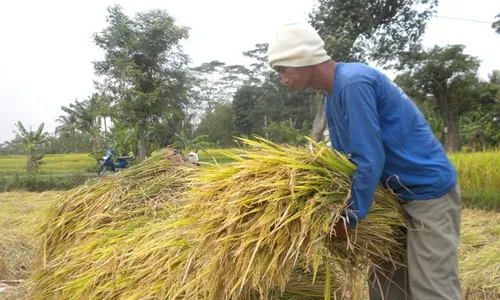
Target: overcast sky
{"x":47,"y":48}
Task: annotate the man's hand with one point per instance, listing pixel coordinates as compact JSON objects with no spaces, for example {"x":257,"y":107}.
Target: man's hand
{"x":340,"y":230}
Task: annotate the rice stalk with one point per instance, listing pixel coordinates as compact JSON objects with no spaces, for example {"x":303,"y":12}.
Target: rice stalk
{"x":101,"y":214}
{"x":272,"y":211}
{"x":240,"y":231}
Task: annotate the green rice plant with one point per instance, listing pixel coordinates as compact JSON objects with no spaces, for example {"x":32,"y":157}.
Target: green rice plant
{"x":478,"y":171}
{"x":53,"y":164}
{"x":218,"y":155}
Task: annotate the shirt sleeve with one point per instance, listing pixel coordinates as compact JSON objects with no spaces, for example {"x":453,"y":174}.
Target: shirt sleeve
{"x":366,"y":148}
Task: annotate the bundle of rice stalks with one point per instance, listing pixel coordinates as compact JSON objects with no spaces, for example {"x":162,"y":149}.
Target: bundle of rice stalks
{"x":254,"y":222}
{"x":259,"y":228}
{"x":75,"y":222}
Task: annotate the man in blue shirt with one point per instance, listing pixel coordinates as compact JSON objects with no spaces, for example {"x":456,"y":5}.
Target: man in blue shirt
{"x":372,"y":121}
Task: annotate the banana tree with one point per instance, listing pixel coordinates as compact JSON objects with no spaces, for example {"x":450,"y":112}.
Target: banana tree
{"x":31,"y":140}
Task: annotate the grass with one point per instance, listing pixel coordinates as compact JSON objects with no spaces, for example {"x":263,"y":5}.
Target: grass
{"x":217,"y":155}
{"x":41,"y":183}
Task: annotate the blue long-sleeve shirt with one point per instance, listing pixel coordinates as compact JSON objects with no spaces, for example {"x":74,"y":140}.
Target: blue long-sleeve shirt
{"x":373,"y":121}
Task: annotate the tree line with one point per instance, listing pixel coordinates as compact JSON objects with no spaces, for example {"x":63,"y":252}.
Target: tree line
{"x":148,"y":96}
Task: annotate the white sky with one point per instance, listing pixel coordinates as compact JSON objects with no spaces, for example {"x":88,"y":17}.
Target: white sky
{"x":47,"y":49}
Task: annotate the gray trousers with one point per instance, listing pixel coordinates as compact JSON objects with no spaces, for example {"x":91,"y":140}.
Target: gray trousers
{"x":432,"y":244}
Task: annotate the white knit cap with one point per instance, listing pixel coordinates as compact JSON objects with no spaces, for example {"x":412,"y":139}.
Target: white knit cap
{"x":297,"y":45}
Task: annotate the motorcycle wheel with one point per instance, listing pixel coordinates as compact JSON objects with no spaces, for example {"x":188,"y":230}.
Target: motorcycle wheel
{"x":102,"y":170}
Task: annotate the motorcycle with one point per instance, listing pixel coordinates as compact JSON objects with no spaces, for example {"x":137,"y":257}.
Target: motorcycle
{"x":108,"y":164}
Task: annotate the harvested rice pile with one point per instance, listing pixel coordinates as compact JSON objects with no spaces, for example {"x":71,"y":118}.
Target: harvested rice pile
{"x":78,"y":222}
{"x":479,"y":259}
{"x":259,"y":228}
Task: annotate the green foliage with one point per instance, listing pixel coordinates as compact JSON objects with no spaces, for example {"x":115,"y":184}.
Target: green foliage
{"x":485,"y":200}
{"x":284,"y":133}
{"x":143,"y":72}
{"x":218,"y":126}
{"x":211,"y":86}
{"x":478,"y":103}
{"x":31,"y":140}
{"x":83,"y":116}
{"x":356,"y":30}
{"x":41,"y":183}
{"x":263,"y":100}
{"x":248,"y":116}
{"x":450,"y":76}
{"x":218,"y":156}
{"x":480,"y":131}
{"x":494,"y":78}
{"x":361,"y":30}
{"x":414,"y":90}
{"x":121,"y":138}
{"x":187,"y":145}
{"x":496,"y":24}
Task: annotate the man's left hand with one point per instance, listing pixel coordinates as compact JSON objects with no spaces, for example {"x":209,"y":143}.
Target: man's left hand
{"x":340,"y":230}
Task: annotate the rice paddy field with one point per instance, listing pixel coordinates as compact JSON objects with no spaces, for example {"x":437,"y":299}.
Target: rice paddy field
{"x":478,"y":171}
{"x":21,"y":212}
{"x":53,"y":164}
{"x":78,"y":163}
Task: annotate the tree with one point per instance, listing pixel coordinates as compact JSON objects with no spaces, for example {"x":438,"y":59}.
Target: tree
{"x":480,"y":127}
{"x":263,"y":100}
{"x":357,"y":30}
{"x":143,"y":71}
{"x":209,"y":85}
{"x":120,"y":138}
{"x":450,"y":76}
{"x":68,"y":127}
{"x":218,"y":125}
{"x":246,"y":110}
{"x":84,"y":116}
{"x":496,"y":24}
{"x":494,"y":77}
{"x":31,"y":140}
{"x":284,"y":133}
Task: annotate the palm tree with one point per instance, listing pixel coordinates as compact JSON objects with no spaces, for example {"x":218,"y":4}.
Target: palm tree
{"x":68,"y":127}
{"x":30,"y":140}
{"x":87,"y":118}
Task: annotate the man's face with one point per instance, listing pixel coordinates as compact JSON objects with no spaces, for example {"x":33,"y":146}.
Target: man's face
{"x":296,"y":79}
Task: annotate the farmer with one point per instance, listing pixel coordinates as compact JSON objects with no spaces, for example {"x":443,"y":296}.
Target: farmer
{"x":372,"y":121}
